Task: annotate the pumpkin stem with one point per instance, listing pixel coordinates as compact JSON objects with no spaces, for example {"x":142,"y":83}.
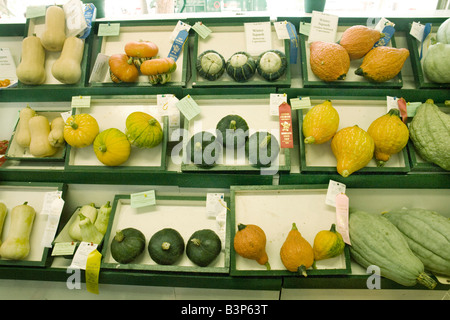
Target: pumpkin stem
{"x":345,"y":173}
{"x":165,"y":245}
{"x":119,"y":236}
{"x":102,"y":148}
{"x":241,"y":226}
{"x":74,"y":125}
{"x":267,"y":264}
{"x":233,"y":124}
{"x":197,"y":242}
{"x":394,"y":112}
{"x":380,"y":163}
{"x":152,"y":122}
{"x":310,"y":140}
{"x":302,"y":271}
{"x":333,"y":228}
{"x":294,"y":226}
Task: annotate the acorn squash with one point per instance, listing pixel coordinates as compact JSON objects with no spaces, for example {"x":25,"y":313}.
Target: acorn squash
{"x":210,"y":65}
{"x":271,"y":64}
{"x":127,"y":245}
{"x":203,"y":247}
{"x":262,"y":149}
{"x":203,"y":149}
{"x":241,"y":66}
{"x":232,"y":131}
{"x":166,"y":246}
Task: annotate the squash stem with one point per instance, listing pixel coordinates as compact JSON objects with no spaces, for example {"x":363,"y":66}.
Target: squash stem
{"x":267,"y":264}
{"x":426,"y":280}
{"x":241,"y":226}
{"x":119,"y":236}
{"x":233,"y":124}
{"x":310,"y":140}
{"x":302,"y":271}
{"x":197,"y":242}
{"x":333,"y":228}
{"x":74,"y":125}
{"x":165,"y":245}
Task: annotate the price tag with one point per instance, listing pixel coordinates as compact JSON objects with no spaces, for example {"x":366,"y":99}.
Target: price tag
{"x":52,"y":207}
{"x":64,"y":248}
{"x":81,"y":102}
{"x":300,"y":103}
{"x":334,"y":188}
{"x":275,"y":100}
{"x":305,"y":28}
{"x":286,"y":136}
{"x":202,"y":30}
{"x":258,"y":37}
{"x":100,"y":68}
{"x":81,"y":255}
{"x":108,"y":29}
{"x":35,"y":11}
{"x":281,"y":30}
{"x":342,"y":208}
{"x":188,"y":107}
{"x":323,"y":27}
{"x":93,"y":271}
{"x":143,"y":199}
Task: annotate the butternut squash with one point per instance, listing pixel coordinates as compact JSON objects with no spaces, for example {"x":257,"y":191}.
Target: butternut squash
{"x":67,"y":69}
{"x":3,"y":213}
{"x":39,"y":145}
{"x":17,"y":243}
{"x":55,"y":29}
{"x":22,"y":135}
{"x":31,"y":69}
{"x":56,"y":135}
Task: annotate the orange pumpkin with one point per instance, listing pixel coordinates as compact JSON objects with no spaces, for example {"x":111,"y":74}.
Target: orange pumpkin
{"x":296,"y":253}
{"x":141,"y":49}
{"x":358,"y":40}
{"x":329,"y":61}
{"x":157,"y":66}
{"x":122,"y":69}
{"x":80,"y":130}
{"x":112,"y":147}
{"x":250,"y":243}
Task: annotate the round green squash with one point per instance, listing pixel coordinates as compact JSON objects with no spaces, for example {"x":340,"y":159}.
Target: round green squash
{"x":210,"y":65}
{"x":143,"y":130}
{"x":203,"y":247}
{"x":127,"y":245}
{"x":271,"y":64}
{"x":436,"y":63}
{"x":241,"y":66}
{"x":232,"y":131}
{"x":203,"y":149}
{"x":443,"y":33}
{"x":262,"y":148}
{"x":166,"y":246}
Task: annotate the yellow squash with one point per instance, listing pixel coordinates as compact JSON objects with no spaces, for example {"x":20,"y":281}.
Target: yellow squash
{"x":358,"y":40}
{"x":80,"y":130}
{"x":112,"y":147}
{"x":320,"y":123}
{"x":329,"y":61}
{"x":353,"y":148}
{"x":328,"y":244}
{"x":296,"y":253}
{"x":389,"y":134}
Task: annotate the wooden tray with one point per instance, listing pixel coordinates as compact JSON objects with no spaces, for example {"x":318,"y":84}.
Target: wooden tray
{"x":320,"y":158}
{"x":274,"y":209}
{"x":111,"y":112}
{"x":227,"y":40}
{"x":310,"y":80}
{"x":184,"y":213}
{"x":255,"y":110}
{"x":13,"y":194}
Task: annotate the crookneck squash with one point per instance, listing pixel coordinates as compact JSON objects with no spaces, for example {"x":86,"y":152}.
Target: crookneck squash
{"x":271,"y":64}
{"x":250,"y":243}
{"x":382,"y":63}
{"x":241,"y":66}
{"x":358,"y":40}
{"x":210,"y":65}
{"x":143,"y":130}
{"x":296,"y":253}
{"x":320,"y":123}
{"x":375,"y":241}
{"x":203,"y":149}
{"x":389,"y":134}
{"x":122,"y":68}
{"x":430,"y":134}
{"x":203,"y":247}
{"x":328,"y":244}
{"x":166,"y":246}
{"x":329,"y":61}
{"x":112,"y":148}
{"x":232,"y":131}
{"x":80,"y":130}
{"x":262,"y":149}
{"x":353,"y":148}
{"x":127,"y":245}
{"x":427,"y":234}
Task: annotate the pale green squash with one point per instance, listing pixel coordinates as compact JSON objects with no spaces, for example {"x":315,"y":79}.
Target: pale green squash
{"x":443,"y":33}
{"x":436,"y":63}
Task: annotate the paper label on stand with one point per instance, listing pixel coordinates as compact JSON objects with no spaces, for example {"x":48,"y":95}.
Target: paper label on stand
{"x":64,"y":248}
{"x":52,"y":207}
{"x":188,"y":107}
{"x":286,"y":135}
{"x":108,"y":29}
{"x":100,"y":68}
{"x":7,"y":67}
{"x":300,"y":103}
{"x":75,"y":20}
{"x":81,"y":102}
{"x":342,"y":207}
{"x":143,"y":199}
{"x":258,"y":37}
{"x":275,"y":100}
{"x":323,"y":27}
{"x":215,"y":204}
{"x":334,"y":188}
{"x":202,"y":30}
{"x":281,"y":30}
{"x":35,"y":11}
{"x":81,"y":255}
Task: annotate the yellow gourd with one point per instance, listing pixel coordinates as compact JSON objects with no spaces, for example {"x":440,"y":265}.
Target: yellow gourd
{"x":67,"y":69}
{"x":389,"y":134}
{"x":55,"y":29}
{"x":353,"y":148}
{"x":328,"y":244}
{"x":22,"y":135}
{"x":17,"y":244}
{"x":296,"y":253}
{"x":112,"y":147}
{"x":56,"y":135}
{"x":31,"y":69}
{"x":250,"y":243}
{"x":320,"y":123}
{"x":39,"y":145}
{"x":80,"y":130}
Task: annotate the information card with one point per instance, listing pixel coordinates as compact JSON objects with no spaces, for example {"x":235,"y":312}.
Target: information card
{"x":323,"y":27}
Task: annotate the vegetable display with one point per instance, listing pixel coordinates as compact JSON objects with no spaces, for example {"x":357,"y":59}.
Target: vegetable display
{"x":127,"y":245}
{"x":241,"y":66}
{"x":210,"y":65}
{"x":166,"y":246}
{"x":329,"y":61}
{"x":56,"y":135}
{"x":122,"y":69}
{"x":203,"y":149}
{"x":139,"y":51}
{"x":443,"y":32}
{"x":250,"y":243}
{"x":296,"y":253}
{"x":271,"y":64}
{"x":320,"y":123}
{"x":89,"y":211}
{"x":112,"y":147}
{"x":22,"y":136}
{"x":89,"y":232}
{"x":39,"y":144}
{"x":203,"y":247}
{"x":158,"y":70}
{"x":436,"y":63}
{"x":102,"y":220}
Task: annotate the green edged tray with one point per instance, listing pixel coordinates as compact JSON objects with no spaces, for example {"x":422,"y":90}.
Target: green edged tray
{"x":226,"y":40}
{"x":16,"y":152}
{"x":158,"y":32}
{"x":182,"y":212}
{"x":417,"y":63}
{"x":255,"y":110}
{"x":310,"y":80}
{"x":274,"y":209}
{"x":111,"y":112}
{"x":15,"y":193}
{"x":320,"y":158}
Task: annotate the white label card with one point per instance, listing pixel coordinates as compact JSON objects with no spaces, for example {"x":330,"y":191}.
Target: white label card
{"x":281,"y":30}
{"x":275,"y":100}
{"x":81,"y":255}
{"x":215,"y":205}
{"x":323,"y":27}
{"x":417,"y":30}
{"x":100,"y":68}
{"x":258,"y":37}
{"x":334,"y":188}
{"x":75,"y":20}
{"x":143,"y":199}
{"x":180,"y":26}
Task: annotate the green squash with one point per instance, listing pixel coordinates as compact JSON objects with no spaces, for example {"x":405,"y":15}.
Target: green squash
{"x":436,"y":63}
{"x":427,"y":234}
{"x":443,"y":33}
{"x":429,"y":131}
{"x":210,"y":65}
{"x":232,"y":131}
{"x":166,"y":246}
{"x":203,"y":247}
{"x":241,"y":66}
{"x":203,"y":149}
{"x":127,"y":245}
{"x":375,"y":241}
{"x":262,"y":148}
{"x":271,"y":64}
